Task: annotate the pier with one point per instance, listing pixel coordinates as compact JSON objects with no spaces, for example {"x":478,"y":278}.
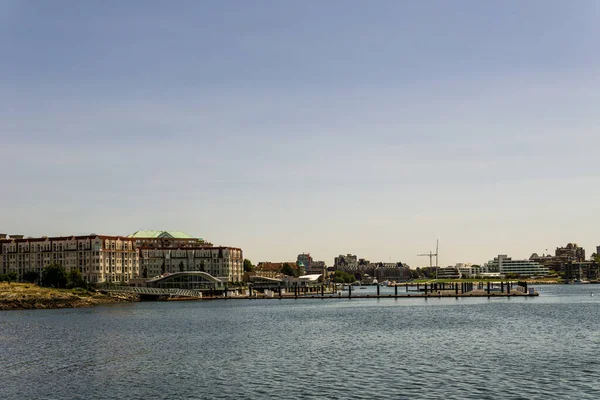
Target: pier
{"x":421,"y":290}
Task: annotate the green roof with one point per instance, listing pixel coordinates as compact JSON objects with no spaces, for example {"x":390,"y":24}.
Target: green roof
{"x":161,"y":234}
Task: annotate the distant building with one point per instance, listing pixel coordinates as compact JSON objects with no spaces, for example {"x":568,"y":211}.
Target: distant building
{"x":467,"y":270}
{"x":276,"y":267}
{"x":347,"y":263}
{"x":582,"y":270}
{"x":317,"y":267}
{"x":304,"y":262}
{"x":571,"y":252}
{"x":464,"y":270}
{"x":448,"y":273}
{"x":563,"y":257}
{"x":506,"y":265}
{"x":398,"y":272}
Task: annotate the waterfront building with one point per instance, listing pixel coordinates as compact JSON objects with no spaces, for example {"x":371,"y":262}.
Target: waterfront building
{"x":381,"y":271}
{"x":390,"y":271}
{"x":506,"y":265}
{"x":167,"y":252}
{"x":117,"y":259}
{"x":225,"y":263}
{"x":582,"y":270}
{"x":99,"y":258}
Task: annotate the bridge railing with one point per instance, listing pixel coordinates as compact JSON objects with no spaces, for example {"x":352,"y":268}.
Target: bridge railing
{"x":156,"y":291}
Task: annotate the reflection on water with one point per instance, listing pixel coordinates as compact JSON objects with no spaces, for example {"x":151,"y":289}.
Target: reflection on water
{"x":535,"y":348}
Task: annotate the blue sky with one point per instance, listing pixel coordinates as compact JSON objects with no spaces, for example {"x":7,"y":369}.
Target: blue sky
{"x":305,"y":126}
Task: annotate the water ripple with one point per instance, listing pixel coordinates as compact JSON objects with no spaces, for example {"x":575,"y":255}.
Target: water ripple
{"x":308,"y":349}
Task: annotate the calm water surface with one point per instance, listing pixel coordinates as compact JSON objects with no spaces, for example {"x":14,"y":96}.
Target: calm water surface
{"x":531,"y":348}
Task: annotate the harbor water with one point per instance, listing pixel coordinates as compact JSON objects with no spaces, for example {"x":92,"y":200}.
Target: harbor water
{"x":436,"y":348}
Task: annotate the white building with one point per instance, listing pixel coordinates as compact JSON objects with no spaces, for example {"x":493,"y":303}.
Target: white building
{"x":506,"y":265}
{"x":464,"y":269}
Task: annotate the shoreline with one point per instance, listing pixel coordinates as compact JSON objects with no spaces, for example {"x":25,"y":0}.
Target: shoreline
{"x":27,"y":296}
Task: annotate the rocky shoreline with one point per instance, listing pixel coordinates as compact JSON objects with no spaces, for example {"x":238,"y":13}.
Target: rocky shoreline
{"x":18,"y":296}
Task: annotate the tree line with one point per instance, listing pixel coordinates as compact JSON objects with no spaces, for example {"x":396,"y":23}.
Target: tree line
{"x":54,"y":275}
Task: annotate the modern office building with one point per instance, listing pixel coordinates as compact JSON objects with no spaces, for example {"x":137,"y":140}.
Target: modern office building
{"x":506,"y":265}
{"x":99,"y":258}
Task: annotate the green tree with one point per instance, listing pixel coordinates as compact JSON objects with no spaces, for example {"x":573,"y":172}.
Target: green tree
{"x":75,"y":279}
{"x":415,"y":273}
{"x":9,"y":277}
{"x":31,"y":276}
{"x":287,"y":269}
{"x":54,"y":275}
{"x":342,"y":277}
{"x":248,"y":267}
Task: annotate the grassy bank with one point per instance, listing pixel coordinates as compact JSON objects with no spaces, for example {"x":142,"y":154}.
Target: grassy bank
{"x":23,"y":296}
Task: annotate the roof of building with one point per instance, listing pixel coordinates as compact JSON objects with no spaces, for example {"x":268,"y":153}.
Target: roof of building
{"x":311,"y":277}
{"x":161,"y":234}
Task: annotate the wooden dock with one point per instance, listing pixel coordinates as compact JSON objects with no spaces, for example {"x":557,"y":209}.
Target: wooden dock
{"x":326,"y":296}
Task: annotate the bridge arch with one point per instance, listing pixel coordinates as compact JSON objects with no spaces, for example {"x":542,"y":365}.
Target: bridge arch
{"x":196,"y":280}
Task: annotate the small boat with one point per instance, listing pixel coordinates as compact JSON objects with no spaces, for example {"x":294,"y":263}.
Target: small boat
{"x":362,"y":287}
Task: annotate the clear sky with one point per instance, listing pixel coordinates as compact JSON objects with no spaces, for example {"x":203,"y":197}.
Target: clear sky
{"x":337,"y":126}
